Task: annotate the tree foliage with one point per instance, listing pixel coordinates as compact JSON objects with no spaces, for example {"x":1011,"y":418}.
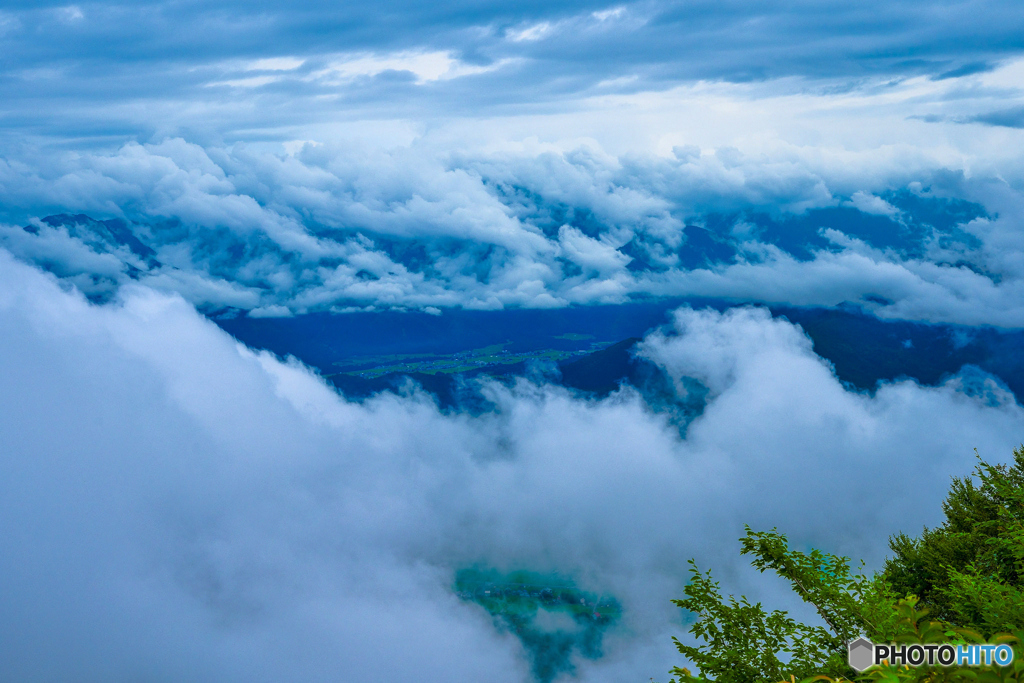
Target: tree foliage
{"x":970,"y":570}
{"x":958,"y":583}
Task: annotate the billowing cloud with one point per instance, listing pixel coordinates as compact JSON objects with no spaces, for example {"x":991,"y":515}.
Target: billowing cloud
{"x":342,"y":226}
{"x":533,"y":158}
{"x":180,"y":505}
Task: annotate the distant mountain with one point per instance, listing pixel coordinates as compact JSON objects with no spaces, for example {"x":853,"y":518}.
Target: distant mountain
{"x":603,"y":371}
{"x":227,"y":267}
{"x":863,"y":349}
{"x":600,"y":373}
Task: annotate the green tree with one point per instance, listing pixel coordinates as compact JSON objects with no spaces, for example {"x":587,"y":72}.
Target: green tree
{"x":970,"y":569}
{"x":959,"y":583}
{"x":742,"y":643}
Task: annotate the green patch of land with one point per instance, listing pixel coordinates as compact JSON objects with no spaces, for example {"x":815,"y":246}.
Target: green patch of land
{"x":495,"y":355}
{"x":523,"y":593}
{"x":553,"y":619}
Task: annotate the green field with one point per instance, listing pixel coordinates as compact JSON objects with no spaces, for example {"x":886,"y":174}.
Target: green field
{"x":493,"y":356}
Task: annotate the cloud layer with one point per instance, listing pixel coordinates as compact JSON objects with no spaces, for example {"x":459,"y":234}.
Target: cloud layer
{"x":185,"y":508}
{"x":119,"y":69}
{"x":349,"y":226}
{"x":543,"y":156}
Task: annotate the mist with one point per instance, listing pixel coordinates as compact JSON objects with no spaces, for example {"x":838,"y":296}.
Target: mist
{"x":180,"y":507}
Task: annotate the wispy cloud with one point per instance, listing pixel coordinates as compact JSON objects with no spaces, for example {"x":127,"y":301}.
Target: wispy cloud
{"x":530,"y":33}
{"x":425,"y":66}
{"x":276,"y":64}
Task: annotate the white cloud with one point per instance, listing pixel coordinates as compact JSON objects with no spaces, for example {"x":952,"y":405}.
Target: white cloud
{"x":271,"y":311}
{"x":71,"y":14}
{"x":176,"y":503}
{"x":330,"y":225}
{"x":1007,"y":75}
{"x":425,"y":66}
{"x":530,"y":33}
{"x":611,"y":13}
{"x":869,"y":203}
{"x":590,"y":253}
{"x":580,"y":23}
{"x":276,"y":64}
{"x":251,"y":82}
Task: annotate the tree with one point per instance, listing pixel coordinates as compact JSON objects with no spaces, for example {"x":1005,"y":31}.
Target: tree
{"x":970,"y":570}
{"x":967,"y":573}
{"x":745,"y":644}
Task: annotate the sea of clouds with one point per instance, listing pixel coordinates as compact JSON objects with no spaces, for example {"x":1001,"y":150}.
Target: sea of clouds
{"x":180,"y":507}
{"x":422,"y":226}
{"x":335,"y":159}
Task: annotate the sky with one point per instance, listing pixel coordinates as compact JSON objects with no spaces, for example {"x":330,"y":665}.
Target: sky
{"x":182,"y":507}
{"x":279,"y":160}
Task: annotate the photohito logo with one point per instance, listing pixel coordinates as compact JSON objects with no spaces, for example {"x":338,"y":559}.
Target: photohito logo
{"x":863,"y":654}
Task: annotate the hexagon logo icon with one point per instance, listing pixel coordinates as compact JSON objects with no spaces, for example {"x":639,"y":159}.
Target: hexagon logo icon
{"x":861,"y":654}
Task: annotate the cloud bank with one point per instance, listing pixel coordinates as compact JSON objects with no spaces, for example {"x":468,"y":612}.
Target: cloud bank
{"x":535,"y":158}
{"x":356,"y":226}
{"x":182,"y":507}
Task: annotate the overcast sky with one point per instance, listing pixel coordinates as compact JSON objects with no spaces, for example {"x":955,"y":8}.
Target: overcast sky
{"x":536,"y":154}
{"x":280,"y":160}
{"x":250,"y":71}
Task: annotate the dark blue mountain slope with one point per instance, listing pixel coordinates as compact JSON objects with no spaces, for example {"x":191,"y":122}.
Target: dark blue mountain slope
{"x":863,"y":349}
